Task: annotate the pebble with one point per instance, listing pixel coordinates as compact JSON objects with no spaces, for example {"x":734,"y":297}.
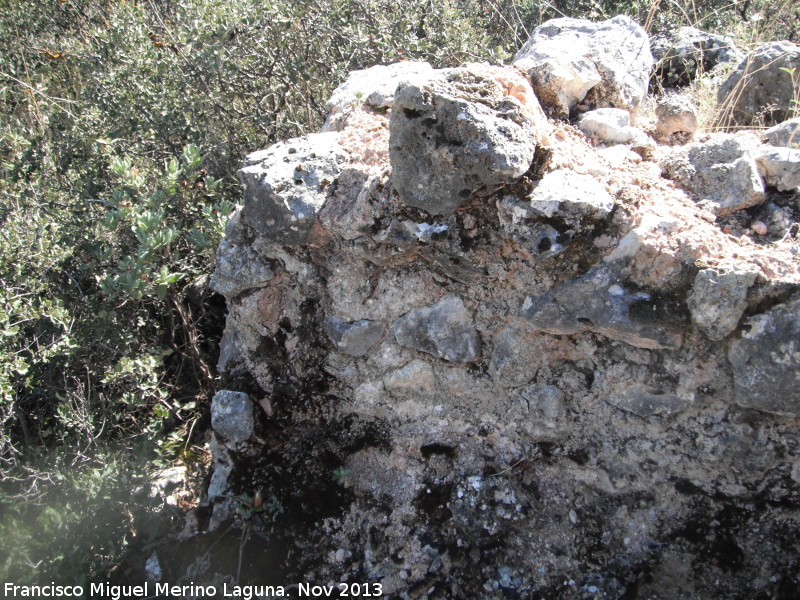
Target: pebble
{"x":759,"y":227}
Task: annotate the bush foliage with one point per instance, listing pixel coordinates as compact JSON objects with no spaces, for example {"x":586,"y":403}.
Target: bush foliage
{"x":123,"y":125}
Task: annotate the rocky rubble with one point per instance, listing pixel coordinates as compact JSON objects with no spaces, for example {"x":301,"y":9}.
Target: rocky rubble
{"x":494,"y":356}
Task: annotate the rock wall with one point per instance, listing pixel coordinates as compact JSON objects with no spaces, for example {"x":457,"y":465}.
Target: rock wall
{"x":517,"y":362}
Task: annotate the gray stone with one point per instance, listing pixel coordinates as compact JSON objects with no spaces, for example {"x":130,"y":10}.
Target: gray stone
{"x":642,"y":402}
{"x":761,"y":90}
{"x":779,"y":166}
{"x":573,"y":60}
{"x":456,"y":131}
{"x":718,"y":301}
{"x":539,"y":239}
{"x":766,"y":361}
{"x":785,"y":134}
{"x":571,"y":196}
{"x":721,"y":172}
{"x":286,"y":185}
{"x":609,"y":125}
{"x":599,"y":302}
{"x":545,"y":402}
{"x":152,"y":568}
{"x":676,"y":114}
{"x":232,"y":415}
{"x":238,"y":269}
{"x":373,"y":87}
{"x":445,"y":330}
{"x":514,"y":357}
{"x":412,"y":380}
{"x":218,"y":493}
{"x":683,"y":54}
{"x":574,"y":199}
{"x":231,"y":357}
{"x":355,"y":338}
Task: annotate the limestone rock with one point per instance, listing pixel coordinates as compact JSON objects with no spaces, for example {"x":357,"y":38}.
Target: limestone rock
{"x":683,"y":54}
{"x":676,"y":114}
{"x":640,"y":401}
{"x":355,"y":338}
{"x":785,"y":134}
{"x":239,"y":268}
{"x":599,"y":302}
{"x":286,"y":185}
{"x":780,"y":167}
{"x":571,"y":196}
{"x":545,"y":403}
{"x":563,"y":204}
{"x":721,"y":172}
{"x":445,"y":330}
{"x":718,"y":301}
{"x":374,"y":87}
{"x":232,"y":416}
{"x":456,"y":131}
{"x":538,"y":238}
{"x":571,"y":60}
{"x":610,"y":125}
{"x":414,"y":379}
{"x":766,"y":361}
{"x":231,"y":360}
{"x":761,"y":88}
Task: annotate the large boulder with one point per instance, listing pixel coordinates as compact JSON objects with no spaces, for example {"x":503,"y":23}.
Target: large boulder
{"x":766,"y":361}
{"x":722,"y":173}
{"x":455,"y":131}
{"x":569,"y":61}
{"x":763,"y":89}
{"x":685,"y":53}
{"x":286,"y":185}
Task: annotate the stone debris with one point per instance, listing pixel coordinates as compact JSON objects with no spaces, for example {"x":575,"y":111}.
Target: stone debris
{"x":597,"y":302}
{"x":640,"y":401}
{"x":507,"y":345}
{"x":763,"y":87}
{"x":571,"y":196}
{"x":570,"y":61}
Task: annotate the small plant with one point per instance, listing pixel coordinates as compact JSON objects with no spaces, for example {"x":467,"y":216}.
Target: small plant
{"x":341,"y":474}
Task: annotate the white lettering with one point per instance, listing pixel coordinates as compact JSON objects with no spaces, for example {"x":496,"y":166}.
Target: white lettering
{"x":248,"y":592}
{"x":315,"y":591}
